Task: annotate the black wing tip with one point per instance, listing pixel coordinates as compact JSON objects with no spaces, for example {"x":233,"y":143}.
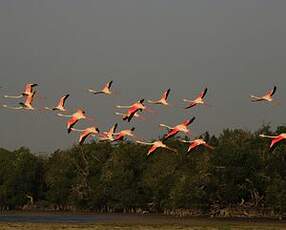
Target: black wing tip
{"x":110,"y":84}
{"x":81,"y":142}
{"x":132,"y":129}
{"x":271,"y":149}
{"x":205,"y":91}
{"x":166,"y":137}
{"x":274,"y":89}
{"x":168,"y":92}
{"x":192,"y":120}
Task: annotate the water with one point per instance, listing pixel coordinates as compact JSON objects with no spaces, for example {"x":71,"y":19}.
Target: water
{"x":16,"y":218}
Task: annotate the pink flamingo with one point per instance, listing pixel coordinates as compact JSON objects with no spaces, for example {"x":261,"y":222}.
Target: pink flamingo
{"x":195,"y":143}
{"x":132,"y":109}
{"x":105,"y":90}
{"x":163,"y":100}
{"x":275,"y":139}
{"x":24,"y":105}
{"x":74,"y":118}
{"x":124,"y":133}
{"x":183,"y":127}
{"x":27,"y":91}
{"x":61,"y":104}
{"x":109,"y":135}
{"x":155,"y":145}
{"x":268,"y":97}
{"x":198,"y":100}
{"x":85,"y":133}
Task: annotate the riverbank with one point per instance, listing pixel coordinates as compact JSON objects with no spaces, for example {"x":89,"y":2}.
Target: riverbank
{"x":49,"y":221}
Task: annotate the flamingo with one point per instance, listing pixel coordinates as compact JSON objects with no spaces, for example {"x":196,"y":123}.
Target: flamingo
{"x":132,"y":109}
{"x":27,"y":104}
{"x":61,"y":104}
{"x":105,"y":136}
{"x":268,"y":97}
{"x":74,"y":118}
{"x":27,"y":91}
{"x":195,"y":143}
{"x":105,"y":90}
{"x":198,"y":100}
{"x":275,"y":139}
{"x":163,"y":99}
{"x":183,"y":127}
{"x":124,"y":133}
{"x":155,"y":145}
{"x":85,"y":133}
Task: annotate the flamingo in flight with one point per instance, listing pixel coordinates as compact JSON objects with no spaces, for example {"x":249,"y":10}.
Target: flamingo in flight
{"x":275,"y":139}
{"x":155,"y":145}
{"x":163,"y":100}
{"x":195,"y":143}
{"x":27,"y":91}
{"x":132,"y":109}
{"x":124,"y":133}
{"x":108,"y":135}
{"x":198,"y":100}
{"x":183,"y":127}
{"x":105,"y":90}
{"x":85,"y":133}
{"x":27,"y":104}
{"x":74,"y":118}
{"x":268,"y":97}
{"x":61,"y":104}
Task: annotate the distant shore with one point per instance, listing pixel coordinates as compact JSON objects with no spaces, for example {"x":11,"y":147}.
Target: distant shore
{"x":119,"y":218}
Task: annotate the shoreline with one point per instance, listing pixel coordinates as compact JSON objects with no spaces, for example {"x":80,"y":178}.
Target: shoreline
{"x":54,"y":217}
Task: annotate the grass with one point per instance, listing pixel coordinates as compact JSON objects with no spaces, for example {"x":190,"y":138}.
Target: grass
{"x":137,"y":222}
{"x":209,"y":226}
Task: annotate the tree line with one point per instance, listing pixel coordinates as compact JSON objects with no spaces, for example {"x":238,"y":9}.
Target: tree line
{"x":240,"y":173}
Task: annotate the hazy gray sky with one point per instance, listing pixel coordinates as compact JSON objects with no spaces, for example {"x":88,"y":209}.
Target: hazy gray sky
{"x":235,"y":48}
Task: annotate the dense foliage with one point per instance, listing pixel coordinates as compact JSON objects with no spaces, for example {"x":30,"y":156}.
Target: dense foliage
{"x":240,"y":172}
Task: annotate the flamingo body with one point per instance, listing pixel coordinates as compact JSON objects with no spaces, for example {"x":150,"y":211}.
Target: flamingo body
{"x":80,"y":114}
{"x":268,"y":97}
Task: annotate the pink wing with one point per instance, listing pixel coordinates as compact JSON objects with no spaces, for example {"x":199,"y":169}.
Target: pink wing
{"x":276,"y":141}
{"x":171,"y":133}
{"x":71,"y":122}
{"x":118,"y":137}
{"x":192,"y":146}
{"x":83,"y":136}
{"x":152,"y":149}
{"x":63,"y":100}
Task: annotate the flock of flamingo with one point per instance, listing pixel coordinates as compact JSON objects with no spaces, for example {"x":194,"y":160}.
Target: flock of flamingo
{"x":132,"y":111}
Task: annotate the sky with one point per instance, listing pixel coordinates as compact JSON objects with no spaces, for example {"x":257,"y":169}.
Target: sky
{"x":235,"y":48}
